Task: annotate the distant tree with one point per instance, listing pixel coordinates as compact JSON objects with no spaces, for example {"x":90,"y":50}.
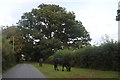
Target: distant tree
{"x":53,"y":21}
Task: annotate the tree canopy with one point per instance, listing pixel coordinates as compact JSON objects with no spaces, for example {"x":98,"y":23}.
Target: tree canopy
{"x":52,"y":21}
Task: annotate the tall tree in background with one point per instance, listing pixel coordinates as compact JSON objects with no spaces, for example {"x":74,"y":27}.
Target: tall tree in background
{"x":53,"y":21}
{"x":43,"y":31}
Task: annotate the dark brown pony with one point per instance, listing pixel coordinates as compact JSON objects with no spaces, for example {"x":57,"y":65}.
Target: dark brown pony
{"x":60,"y":61}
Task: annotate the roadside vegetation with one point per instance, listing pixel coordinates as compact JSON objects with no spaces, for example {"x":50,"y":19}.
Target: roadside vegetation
{"x":8,"y":57}
{"x":103,"y":57}
{"x":49,"y":72}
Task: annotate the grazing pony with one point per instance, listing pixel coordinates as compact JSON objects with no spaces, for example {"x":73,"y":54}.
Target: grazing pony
{"x":40,"y":62}
{"x":63,"y":62}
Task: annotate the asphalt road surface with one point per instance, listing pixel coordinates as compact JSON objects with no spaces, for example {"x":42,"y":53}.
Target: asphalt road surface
{"x":0,"y":76}
{"x":23,"y":71}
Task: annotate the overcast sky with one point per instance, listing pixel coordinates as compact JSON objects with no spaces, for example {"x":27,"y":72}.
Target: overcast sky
{"x":98,"y":16}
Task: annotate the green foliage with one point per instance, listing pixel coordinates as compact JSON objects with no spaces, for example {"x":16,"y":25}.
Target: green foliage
{"x":53,"y":21}
{"x":66,"y":54}
{"x":103,"y":57}
{"x":15,"y":37}
{"x":50,"y":60}
{"x":8,"y":58}
{"x":52,"y":26}
{"x":46,"y":48}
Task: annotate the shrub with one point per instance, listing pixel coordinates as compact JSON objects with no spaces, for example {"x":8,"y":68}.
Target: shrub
{"x":8,"y":58}
{"x":103,"y":57}
{"x":66,"y":54}
{"x":50,"y":60}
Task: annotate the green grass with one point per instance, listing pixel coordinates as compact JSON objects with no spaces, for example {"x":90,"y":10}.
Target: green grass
{"x":49,"y":72}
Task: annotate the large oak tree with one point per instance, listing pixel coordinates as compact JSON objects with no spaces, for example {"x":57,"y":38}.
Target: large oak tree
{"x":53,"y":21}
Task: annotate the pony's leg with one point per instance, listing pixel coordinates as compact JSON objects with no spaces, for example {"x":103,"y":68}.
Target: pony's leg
{"x":68,"y":67}
{"x":55,"y":66}
{"x":39,"y":64}
{"x":63,"y":67}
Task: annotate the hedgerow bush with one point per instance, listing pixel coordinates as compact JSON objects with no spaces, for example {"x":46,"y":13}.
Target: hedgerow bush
{"x":103,"y":57}
{"x":66,"y":54}
{"x":50,"y":60}
{"x":8,"y":58}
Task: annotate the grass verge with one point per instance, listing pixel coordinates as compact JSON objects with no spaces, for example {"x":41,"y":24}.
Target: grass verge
{"x":49,"y":72}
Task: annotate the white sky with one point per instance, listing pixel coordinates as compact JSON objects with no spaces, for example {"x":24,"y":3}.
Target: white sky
{"x":98,"y":16}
